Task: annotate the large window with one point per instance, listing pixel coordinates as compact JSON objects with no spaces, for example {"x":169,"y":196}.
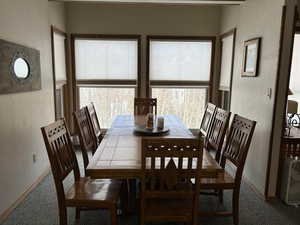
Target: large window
{"x":180,"y":75}
{"x":60,"y":81}
{"x":107,"y":74}
{"x":227,"y":42}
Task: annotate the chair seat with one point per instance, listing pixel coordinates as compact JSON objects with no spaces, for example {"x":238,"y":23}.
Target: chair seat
{"x":86,"y":192}
{"x":222,"y":182}
{"x":168,"y":210}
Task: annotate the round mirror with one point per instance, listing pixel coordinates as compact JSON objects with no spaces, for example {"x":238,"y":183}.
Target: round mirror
{"x":21,"y":68}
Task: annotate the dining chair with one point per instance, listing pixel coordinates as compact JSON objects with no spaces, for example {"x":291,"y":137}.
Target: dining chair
{"x":207,"y":119}
{"x":143,"y":106}
{"x":216,"y":136}
{"x":168,"y":165}
{"x":235,"y":152}
{"x":93,"y":119}
{"x":85,"y":133}
{"x":85,"y":193}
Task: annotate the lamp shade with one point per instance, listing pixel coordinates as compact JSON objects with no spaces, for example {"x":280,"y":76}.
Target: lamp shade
{"x":292,"y":107}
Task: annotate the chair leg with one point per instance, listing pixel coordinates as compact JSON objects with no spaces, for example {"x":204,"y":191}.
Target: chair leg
{"x":63,"y":219}
{"x":220,"y":195}
{"x":124,"y":199}
{"x":113,"y":213}
{"x":77,"y":221}
{"x":235,"y":207}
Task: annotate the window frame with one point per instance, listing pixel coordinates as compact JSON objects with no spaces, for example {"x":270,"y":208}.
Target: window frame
{"x":63,"y":86}
{"x":198,"y":84}
{"x":222,"y":91}
{"x":105,"y":82}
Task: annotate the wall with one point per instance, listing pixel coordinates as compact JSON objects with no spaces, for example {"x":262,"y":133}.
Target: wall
{"x":256,"y":18}
{"x":57,"y":15}
{"x":93,"y":18}
{"x":22,"y":115}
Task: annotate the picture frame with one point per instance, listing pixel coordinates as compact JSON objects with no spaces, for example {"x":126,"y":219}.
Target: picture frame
{"x":251,"y":57}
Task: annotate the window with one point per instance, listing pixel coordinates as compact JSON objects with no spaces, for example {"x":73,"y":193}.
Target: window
{"x":179,"y":71}
{"x":107,"y":73}
{"x":61,"y":92}
{"x":227,"y":60}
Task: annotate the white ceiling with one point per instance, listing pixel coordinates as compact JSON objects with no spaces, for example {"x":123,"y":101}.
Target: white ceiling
{"x":196,"y":2}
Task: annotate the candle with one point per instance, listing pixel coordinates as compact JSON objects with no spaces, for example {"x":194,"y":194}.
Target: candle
{"x":160,"y":123}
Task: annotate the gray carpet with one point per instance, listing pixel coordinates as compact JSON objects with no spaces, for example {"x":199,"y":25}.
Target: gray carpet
{"x":40,"y":208}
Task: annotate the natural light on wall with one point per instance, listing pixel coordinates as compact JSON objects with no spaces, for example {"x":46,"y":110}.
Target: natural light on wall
{"x":106,"y":59}
{"x":180,"y":60}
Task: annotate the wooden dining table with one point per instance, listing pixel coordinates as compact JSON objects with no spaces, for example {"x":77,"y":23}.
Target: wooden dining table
{"x":119,"y":154}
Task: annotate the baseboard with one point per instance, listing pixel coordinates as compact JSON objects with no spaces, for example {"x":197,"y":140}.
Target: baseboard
{"x":260,"y":195}
{"x":8,"y":211}
{"x":248,"y":182}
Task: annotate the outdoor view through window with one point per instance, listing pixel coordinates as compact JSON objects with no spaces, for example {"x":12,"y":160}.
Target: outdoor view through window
{"x":173,"y":61}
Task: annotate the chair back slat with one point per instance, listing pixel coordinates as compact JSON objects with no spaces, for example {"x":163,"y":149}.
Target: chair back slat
{"x":217,"y":132}
{"x":85,"y":132}
{"x":238,"y":142}
{"x":143,"y":106}
{"x":168,"y":164}
{"x":93,"y":118}
{"x":60,"y":151}
{"x":207,"y":119}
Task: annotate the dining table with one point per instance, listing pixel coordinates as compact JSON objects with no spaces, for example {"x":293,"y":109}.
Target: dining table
{"x":119,"y":153}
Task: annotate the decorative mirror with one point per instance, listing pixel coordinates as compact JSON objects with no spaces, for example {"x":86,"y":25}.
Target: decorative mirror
{"x":20,"y":69}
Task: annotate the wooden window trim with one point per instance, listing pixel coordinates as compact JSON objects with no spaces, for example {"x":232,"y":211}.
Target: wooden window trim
{"x":181,"y":83}
{"x":137,"y":82}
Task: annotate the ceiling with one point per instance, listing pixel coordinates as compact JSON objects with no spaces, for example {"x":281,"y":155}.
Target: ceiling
{"x":195,"y":2}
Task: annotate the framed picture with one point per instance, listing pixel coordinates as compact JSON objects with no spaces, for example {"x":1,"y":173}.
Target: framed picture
{"x":251,"y":57}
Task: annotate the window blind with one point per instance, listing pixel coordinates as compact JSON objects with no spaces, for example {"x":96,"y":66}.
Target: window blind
{"x":59,"y":57}
{"x":106,"y":59}
{"x":226,"y":62}
{"x":180,"y":60}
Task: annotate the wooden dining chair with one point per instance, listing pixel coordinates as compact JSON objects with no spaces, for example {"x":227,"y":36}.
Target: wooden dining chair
{"x":143,"y":106}
{"x":215,"y":138}
{"x":85,"y":193}
{"x":235,"y":151}
{"x":93,"y":119}
{"x":207,"y":119}
{"x":85,"y":133}
{"x":168,"y":165}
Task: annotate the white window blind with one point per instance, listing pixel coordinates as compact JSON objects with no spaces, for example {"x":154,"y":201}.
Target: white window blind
{"x":59,"y":57}
{"x":106,"y":59}
{"x":226,"y":62}
{"x":180,"y":60}
{"x":295,"y":69}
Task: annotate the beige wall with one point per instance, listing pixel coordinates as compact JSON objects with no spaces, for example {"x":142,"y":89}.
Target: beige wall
{"x":57,"y":15}
{"x":256,"y":18}
{"x":145,"y":20}
{"x":22,"y":115}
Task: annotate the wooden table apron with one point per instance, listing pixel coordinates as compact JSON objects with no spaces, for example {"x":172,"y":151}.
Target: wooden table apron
{"x":119,"y":154}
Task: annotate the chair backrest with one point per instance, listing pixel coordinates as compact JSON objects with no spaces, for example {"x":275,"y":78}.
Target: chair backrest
{"x":217,"y":131}
{"x":94,"y":122}
{"x":207,"y":119}
{"x":85,"y":132}
{"x":237,"y":144}
{"x":61,"y":154}
{"x":143,"y":106}
{"x":168,"y":166}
